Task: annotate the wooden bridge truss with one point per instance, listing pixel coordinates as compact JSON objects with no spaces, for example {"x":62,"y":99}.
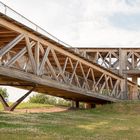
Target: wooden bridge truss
{"x":30,"y":58}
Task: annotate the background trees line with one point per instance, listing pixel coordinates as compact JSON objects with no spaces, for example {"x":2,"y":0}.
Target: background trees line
{"x":46,"y":99}
{"x":40,"y":98}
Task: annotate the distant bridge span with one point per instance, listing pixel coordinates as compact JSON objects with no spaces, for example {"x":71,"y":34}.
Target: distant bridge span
{"x":33,"y":61}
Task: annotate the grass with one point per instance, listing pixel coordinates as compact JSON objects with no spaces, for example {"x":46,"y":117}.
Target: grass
{"x":119,"y":121}
{"x":26,"y":105}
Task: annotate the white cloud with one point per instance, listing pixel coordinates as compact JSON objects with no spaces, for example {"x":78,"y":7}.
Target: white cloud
{"x":81,"y":23}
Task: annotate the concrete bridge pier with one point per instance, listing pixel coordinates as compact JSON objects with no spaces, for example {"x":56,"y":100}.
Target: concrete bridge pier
{"x":134,"y":90}
{"x":75,"y":104}
{"x":89,"y":105}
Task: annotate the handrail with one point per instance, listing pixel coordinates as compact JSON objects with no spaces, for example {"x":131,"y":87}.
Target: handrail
{"x":22,"y":19}
{"x":36,"y":27}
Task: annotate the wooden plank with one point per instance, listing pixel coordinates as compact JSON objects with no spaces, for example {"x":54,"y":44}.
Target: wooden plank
{"x":45,"y":57}
{"x":18,"y":55}
{"x":51,"y":69}
{"x":30,"y":53}
{"x":74,"y":69}
{"x":84,"y":76}
{"x":10,"y":45}
{"x":57,"y":48}
{"x":32,"y":78}
{"x":37,"y":55}
{"x":58,"y":64}
{"x":65,"y":64}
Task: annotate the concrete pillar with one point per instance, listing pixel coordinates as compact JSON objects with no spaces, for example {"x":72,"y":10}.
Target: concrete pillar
{"x":134,"y":90}
{"x":75,"y":104}
{"x":89,"y":105}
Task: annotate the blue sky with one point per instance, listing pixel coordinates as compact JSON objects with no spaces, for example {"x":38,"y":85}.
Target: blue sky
{"x":85,"y":23}
{"x":129,"y":22}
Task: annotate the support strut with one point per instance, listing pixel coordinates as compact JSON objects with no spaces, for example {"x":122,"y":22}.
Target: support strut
{"x":15,"y":104}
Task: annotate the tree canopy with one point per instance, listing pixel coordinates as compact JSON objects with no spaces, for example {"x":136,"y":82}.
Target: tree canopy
{"x":4,"y":93}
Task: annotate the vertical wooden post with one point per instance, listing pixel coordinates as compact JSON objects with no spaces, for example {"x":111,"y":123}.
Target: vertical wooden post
{"x":134,"y":89}
{"x":122,"y":67}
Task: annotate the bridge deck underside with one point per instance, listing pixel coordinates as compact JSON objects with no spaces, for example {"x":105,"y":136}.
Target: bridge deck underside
{"x":8,"y":78}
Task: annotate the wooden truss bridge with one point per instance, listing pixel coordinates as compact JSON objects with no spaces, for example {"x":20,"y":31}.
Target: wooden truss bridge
{"x":32,"y":59}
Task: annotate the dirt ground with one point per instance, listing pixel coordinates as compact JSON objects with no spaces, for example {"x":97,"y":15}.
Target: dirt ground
{"x":39,"y":110}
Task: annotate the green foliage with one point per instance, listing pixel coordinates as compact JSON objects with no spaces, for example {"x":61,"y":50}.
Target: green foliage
{"x":63,"y":102}
{"x":42,"y":99}
{"x":3,"y":92}
{"x":46,"y":99}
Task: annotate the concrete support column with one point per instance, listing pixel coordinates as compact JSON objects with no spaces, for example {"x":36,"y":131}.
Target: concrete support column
{"x":75,"y":104}
{"x":89,"y":105}
{"x":134,"y":90}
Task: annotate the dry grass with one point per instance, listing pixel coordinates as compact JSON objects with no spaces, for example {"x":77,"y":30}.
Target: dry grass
{"x":110,"y":122}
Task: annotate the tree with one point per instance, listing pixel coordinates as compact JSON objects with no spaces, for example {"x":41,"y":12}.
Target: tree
{"x":46,"y":99}
{"x":4,"y":93}
{"x":42,"y":99}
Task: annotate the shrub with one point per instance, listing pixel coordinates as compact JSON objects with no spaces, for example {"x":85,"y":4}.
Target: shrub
{"x":46,"y":99}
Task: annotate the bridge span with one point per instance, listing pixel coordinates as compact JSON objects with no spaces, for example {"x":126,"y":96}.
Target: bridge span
{"x":30,"y":59}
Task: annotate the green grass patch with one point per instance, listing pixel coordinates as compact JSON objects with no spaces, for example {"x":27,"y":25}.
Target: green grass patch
{"x":26,"y":105}
{"x":120,"y":121}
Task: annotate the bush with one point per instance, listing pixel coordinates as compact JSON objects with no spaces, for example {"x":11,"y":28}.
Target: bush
{"x":4,"y":93}
{"x":46,"y":99}
{"x":42,"y":99}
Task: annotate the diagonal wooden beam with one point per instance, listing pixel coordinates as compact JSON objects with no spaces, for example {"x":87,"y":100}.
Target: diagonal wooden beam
{"x":14,"y":105}
{"x":65,"y":64}
{"x":45,"y":57}
{"x":114,"y":88}
{"x":30,"y":53}
{"x":93,"y":79}
{"x":37,"y":56}
{"x":77,"y":78}
{"x":74,"y":70}
{"x":51,"y":69}
{"x":58,"y":64}
{"x":99,"y":80}
{"x":4,"y":103}
{"x":18,"y":55}
{"x":10,"y":45}
{"x":84,"y":76}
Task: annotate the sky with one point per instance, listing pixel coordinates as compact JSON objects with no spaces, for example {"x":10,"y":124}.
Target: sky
{"x":85,"y":23}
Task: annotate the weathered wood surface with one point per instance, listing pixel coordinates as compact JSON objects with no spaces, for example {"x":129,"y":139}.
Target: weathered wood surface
{"x":30,"y":57}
